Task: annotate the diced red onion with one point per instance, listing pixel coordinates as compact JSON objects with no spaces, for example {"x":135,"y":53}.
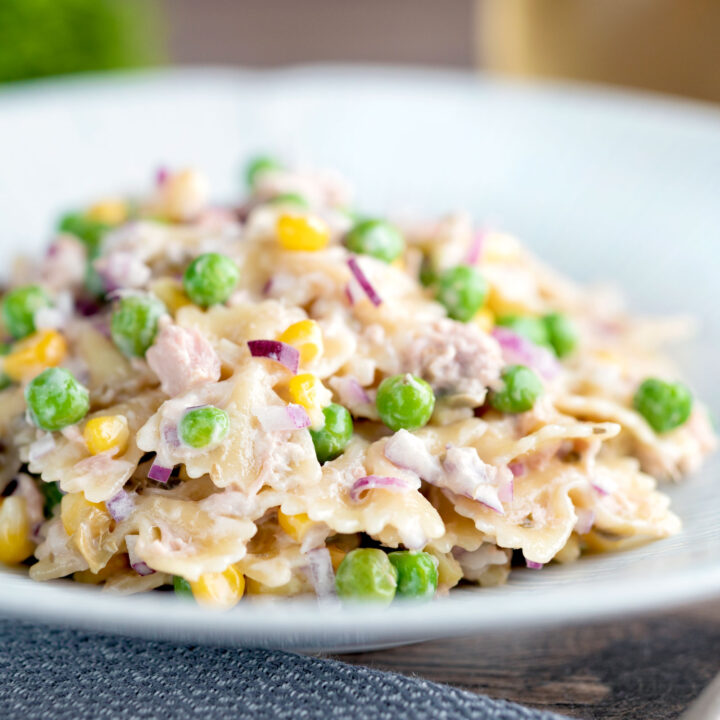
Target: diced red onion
{"x":280,"y":418}
{"x":161,"y":176}
{"x":349,"y":295}
{"x":120,"y":506}
{"x":267,"y":287}
{"x":410,"y":453}
{"x":170,"y":433}
{"x":86,"y":306}
{"x":364,"y":283}
{"x":506,"y":491}
{"x":532,"y":565}
{"x":351,"y":392}
{"x":320,"y":570}
{"x":602,"y":486}
{"x":374,"y":481}
{"x":281,"y":352}
{"x":138,"y":565}
{"x":517,"y":468}
{"x":160,"y":473}
{"x":585,"y":520}
{"x":476,"y":246}
{"x":518,"y":350}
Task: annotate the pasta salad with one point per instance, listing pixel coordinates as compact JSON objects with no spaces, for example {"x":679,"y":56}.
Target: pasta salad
{"x":287,"y":397}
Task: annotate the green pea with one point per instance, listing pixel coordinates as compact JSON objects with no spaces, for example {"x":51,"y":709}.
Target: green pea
{"x":182,"y":587}
{"x":561,"y":332}
{"x":5,"y":381}
{"x":55,"y":399}
{"x":90,"y":232}
{"x":428,"y":275}
{"x":19,"y":308}
{"x":366,"y":575}
{"x":210,"y":279}
{"x":202,"y":427}
{"x":334,"y":435}
{"x":134,"y":323}
{"x":377,"y":238}
{"x":417,"y":574}
{"x":521,"y":388}
{"x":664,"y":405}
{"x":532,"y":328}
{"x":463,"y":291}
{"x":259,"y":165}
{"x":289,"y":199}
{"x":52,"y":494}
{"x":405,"y":401}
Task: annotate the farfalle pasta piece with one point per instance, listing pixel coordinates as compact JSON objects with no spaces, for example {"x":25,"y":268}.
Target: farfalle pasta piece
{"x":249,"y":457}
{"x":179,"y":538}
{"x":393,"y":517}
{"x":68,"y":461}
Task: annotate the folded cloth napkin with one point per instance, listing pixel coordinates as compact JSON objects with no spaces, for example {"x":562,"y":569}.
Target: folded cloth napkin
{"x":63,"y":674}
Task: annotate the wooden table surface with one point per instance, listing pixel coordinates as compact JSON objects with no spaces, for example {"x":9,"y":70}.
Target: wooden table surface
{"x":648,"y":668}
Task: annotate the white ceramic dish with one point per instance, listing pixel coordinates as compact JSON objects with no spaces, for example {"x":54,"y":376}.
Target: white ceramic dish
{"x":614,"y":186}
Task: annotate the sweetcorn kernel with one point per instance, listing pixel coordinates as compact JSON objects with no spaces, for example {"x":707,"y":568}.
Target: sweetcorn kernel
{"x":296,"y":526}
{"x":107,"y":432}
{"x":15,"y":544}
{"x":306,"y":336}
{"x":337,"y":555}
{"x":484,"y":319}
{"x":184,"y":195}
{"x":307,"y":390}
{"x":219,"y":590}
{"x":75,"y":510}
{"x":171,"y":292}
{"x":110,"y":211}
{"x":35,"y":353}
{"x":302,"y":232}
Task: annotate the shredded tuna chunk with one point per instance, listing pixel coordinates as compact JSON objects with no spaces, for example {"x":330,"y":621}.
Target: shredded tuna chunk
{"x":182,"y":358}
{"x":457,"y":359}
{"x":122,"y":269}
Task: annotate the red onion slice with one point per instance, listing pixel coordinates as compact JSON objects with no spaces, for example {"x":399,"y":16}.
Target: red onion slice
{"x":281,"y":352}
{"x":476,"y":246}
{"x":320,"y":570}
{"x":532,"y":565}
{"x":349,"y":295}
{"x":518,"y":469}
{"x":160,"y":473}
{"x":138,"y":565}
{"x":585,"y":520}
{"x":364,"y":283}
{"x":518,"y":350}
{"x":278,"y":418}
{"x":375,"y":481}
{"x":506,"y":491}
{"x":120,"y":506}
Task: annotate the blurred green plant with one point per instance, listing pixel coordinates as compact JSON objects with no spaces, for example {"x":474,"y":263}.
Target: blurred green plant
{"x":54,"y":37}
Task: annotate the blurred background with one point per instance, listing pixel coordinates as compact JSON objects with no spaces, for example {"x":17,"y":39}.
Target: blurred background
{"x":670,"y":46}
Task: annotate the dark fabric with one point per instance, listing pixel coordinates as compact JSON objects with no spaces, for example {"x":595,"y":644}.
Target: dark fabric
{"x":64,"y":674}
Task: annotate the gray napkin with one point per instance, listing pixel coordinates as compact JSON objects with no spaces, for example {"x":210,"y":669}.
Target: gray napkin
{"x":63,"y":674}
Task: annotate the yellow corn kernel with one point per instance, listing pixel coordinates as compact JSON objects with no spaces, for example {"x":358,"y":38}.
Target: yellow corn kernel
{"x":184,"y":195}
{"x":296,"y":526}
{"x":484,"y":319}
{"x":30,"y":356}
{"x":307,"y":390}
{"x":337,"y":555}
{"x":171,"y":292}
{"x":499,"y":247}
{"x":110,"y":211}
{"x":75,"y":510}
{"x":219,"y":590}
{"x":15,"y":544}
{"x":449,"y":571}
{"x":302,"y":232}
{"x":107,"y":432}
{"x":306,"y":336}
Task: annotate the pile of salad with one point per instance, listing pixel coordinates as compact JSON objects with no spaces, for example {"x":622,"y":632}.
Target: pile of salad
{"x":287,"y":396}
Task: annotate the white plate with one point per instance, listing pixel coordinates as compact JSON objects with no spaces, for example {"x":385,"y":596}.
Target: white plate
{"x":613,"y":186}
